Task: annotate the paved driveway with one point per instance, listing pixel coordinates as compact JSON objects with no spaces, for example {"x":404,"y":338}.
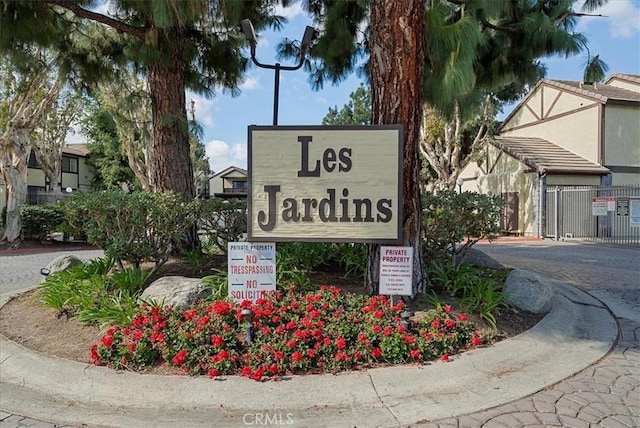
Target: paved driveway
{"x":21,"y":271}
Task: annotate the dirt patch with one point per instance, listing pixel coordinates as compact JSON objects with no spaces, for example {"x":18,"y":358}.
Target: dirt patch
{"x":42,"y":329}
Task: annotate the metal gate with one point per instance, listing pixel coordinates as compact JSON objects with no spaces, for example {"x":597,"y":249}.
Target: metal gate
{"x":593,"y":213}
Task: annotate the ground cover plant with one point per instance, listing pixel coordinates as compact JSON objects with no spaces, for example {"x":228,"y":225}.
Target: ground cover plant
{"x":294,"y":331}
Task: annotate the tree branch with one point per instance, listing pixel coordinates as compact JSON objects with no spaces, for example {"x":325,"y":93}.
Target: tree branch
{"x":501,"y":28}
{"x":80,"y":12}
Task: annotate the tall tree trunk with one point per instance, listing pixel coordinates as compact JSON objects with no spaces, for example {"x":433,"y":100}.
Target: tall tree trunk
{"x":170,"y":160}
{"x":15,"y":161}
{"x":397,"y":59}
{"x":170,"y":163}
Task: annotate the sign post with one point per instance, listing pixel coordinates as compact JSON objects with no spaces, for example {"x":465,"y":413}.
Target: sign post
{"x":251,"y":270}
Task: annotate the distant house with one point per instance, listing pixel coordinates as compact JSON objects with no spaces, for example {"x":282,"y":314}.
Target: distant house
{"x":562,"y":134}
{"x":229,"y":183}
{"x":76,"y":174}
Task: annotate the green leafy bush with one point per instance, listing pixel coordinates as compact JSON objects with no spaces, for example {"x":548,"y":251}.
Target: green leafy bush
{"x":131,"y":227}
{"x":90,"y":293}
{"x":221,"y":221}
{"x":40,"y":221}
{"x":479,"y":289}
{"x":452,"y":222}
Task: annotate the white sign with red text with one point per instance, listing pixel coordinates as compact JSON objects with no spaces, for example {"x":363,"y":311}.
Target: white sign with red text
{"x":251,"y":270}
{"x":396,"y":271}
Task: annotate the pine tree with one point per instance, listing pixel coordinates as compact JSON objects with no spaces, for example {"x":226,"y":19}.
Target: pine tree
{"x":193,"y":44}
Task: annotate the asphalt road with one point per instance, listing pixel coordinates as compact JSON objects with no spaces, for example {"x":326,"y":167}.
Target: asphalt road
{"x":23,"y":270}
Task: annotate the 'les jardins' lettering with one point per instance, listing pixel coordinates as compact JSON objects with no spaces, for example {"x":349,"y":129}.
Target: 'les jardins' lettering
{"x":330,"y":208}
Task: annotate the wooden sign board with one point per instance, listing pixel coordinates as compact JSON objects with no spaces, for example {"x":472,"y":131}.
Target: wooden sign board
{"x":325,"y":183}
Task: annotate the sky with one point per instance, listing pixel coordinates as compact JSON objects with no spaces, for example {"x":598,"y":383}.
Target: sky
{"x":615,"y":37}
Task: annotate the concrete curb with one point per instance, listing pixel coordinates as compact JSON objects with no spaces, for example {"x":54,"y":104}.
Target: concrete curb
{"x":577,"y":332}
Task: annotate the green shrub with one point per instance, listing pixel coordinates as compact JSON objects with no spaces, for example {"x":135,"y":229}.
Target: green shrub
{"x":40,"y":221}
{"x":452,"y":222}
{"x":87,"y":291}
{"x":479,"y":289}
{"x":221,"y":221}
{"x":131,"y":227}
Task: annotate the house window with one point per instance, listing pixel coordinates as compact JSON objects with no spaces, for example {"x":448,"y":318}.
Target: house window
{"x":239,"y":184}
{"x":33,"y":161}
{"x":69,"y":164}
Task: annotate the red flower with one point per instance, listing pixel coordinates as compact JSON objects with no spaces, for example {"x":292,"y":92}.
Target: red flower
{"x":220,"y":307}
{"x":189,"y":314}
{"x":435,"y":324}
{"x":204,"y":320}
{"x":387,"y":331}
{"x":409,"y":339}
{"x":376,"y":328}
{"x":257,"y":375}
{"x":180,"y":357}
{"x":275,"y":319}
{"x":475,"y":340}
{"x":95,"y":358}
{"x":378,"y":314}
{"x":399,"y":306}
{"x":246,"y":371}
{"x":292,"y":343}
{"x":157,"y":337}
{"x":213,"y":373}
{"x":107,"y":341}
{"x":462,"y":317}
{"x":296,"y":356}
{"x":290,"y":325}
{"x":447,"y":309}
{"x":341,"y":356}
{"x":274,"y":369}
{"x":311,"y":353}
{"x":137,"y":334}
{"x":132,"y":347}
{"x":341,"y":343}
{"x":111,"y":330}
{"x":362,"y":337}
{"x":450,"y":323}
{"x":278,"y":355}
{"x":415,"y":354}
{"x":327,"y":341}
{"x":217,"y":341}
{"x":445,"y":357}
{"x":376,"y":353}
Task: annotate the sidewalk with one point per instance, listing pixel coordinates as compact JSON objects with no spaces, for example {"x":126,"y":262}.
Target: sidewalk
{"x":577,"y":332}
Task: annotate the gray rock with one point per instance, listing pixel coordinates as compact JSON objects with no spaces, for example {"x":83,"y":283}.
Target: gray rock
{"x":529,"y":291}
{"x":178,"y":291}
{"x":477,"y":258}
{"x":61,"y":263}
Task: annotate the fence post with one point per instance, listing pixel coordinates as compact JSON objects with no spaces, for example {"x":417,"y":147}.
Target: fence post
{"x":542,"y":184}
{"x":556,"y":214}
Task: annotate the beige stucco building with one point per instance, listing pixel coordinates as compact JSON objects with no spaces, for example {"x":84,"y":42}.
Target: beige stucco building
{"x":229,"y":183}
{"x":562,"y":134}
{"x":76,"y":174}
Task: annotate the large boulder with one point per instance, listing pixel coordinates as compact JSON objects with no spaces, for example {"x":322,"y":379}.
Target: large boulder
{"x":60,"y":263}
{"x":477,"y":258}
{"x":177,"y":291}
{"x":529,"y":291}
